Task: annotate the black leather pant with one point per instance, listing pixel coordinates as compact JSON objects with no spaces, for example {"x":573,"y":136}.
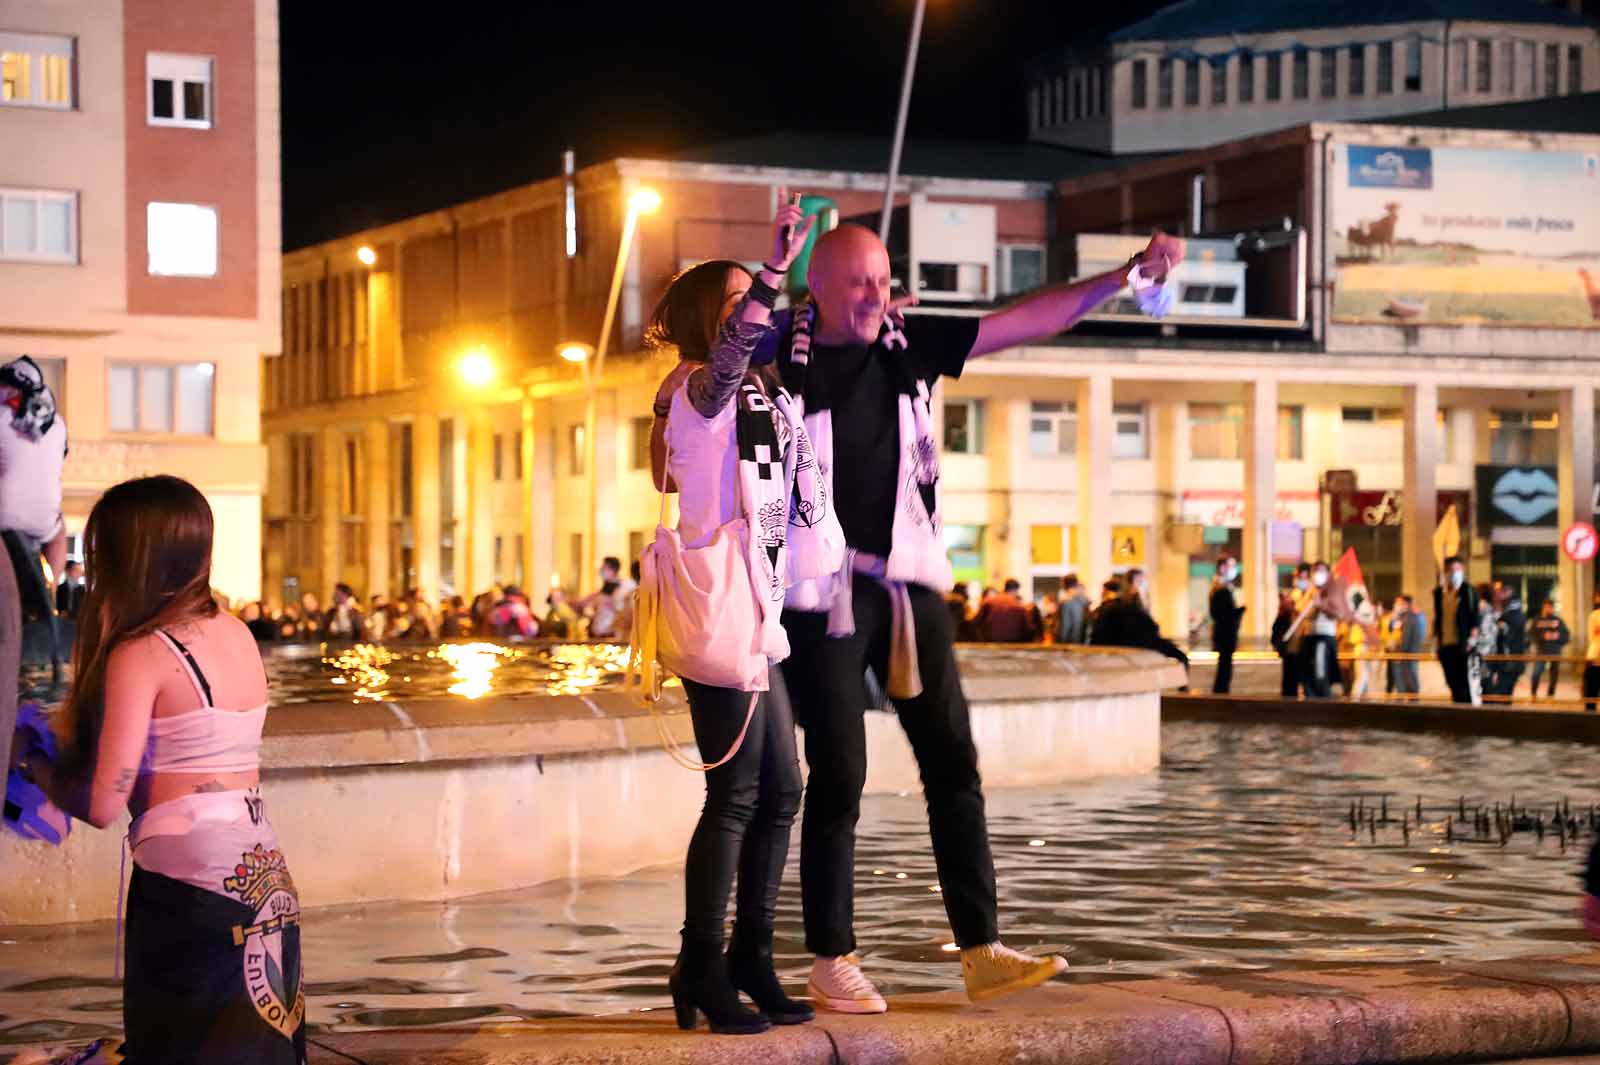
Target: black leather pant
{"x":750,"y":808}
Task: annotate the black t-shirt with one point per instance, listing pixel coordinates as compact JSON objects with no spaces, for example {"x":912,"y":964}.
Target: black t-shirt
{"x":858,"y":384}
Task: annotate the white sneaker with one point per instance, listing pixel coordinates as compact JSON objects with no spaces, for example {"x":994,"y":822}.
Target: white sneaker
{"x":995,"y":969}
{"x":838,"y":984}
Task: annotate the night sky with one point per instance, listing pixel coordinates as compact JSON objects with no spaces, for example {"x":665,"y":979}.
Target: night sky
{"x":386,"y":116}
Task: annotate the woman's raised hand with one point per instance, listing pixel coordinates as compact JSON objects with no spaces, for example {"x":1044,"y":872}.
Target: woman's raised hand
{"x":791,"y":229}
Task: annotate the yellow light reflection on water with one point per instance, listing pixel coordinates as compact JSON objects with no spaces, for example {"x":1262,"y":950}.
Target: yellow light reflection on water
{"x":472,"y":666}
{"x":362,"y":666}
{"x":577,"y":668}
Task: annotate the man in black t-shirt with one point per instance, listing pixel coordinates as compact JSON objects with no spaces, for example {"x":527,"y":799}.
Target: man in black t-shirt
{"x":855,"y":377}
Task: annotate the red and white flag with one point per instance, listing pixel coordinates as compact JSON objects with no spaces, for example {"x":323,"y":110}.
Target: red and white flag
{"x":1354,"y":587}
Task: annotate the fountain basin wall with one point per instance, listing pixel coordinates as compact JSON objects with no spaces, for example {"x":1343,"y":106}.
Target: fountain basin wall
{"x":440,"y":798}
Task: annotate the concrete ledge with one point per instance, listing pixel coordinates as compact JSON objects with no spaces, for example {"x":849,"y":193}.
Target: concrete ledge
{"x":1514,"y":722}
{"x":1339,"y":1016}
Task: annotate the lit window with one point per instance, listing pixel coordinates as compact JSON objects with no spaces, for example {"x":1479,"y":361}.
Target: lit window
{"x":181,"y":239}
{"x":161,"y":398}
{"x":38,"y":226}
{"x":36,"y":70}
{"x":179,"y":90}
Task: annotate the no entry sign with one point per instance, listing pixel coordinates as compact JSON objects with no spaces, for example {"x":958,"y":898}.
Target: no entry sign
{"x":1580,"y":541}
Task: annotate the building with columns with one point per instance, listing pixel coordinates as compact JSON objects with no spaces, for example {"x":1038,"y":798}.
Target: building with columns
{"x":1207,"y":71}
{"x":139,"y":243}
{"x":1356,"y":353}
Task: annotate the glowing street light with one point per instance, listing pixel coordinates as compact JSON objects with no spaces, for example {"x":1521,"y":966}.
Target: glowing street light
{"x":476,"y":368}
{"x":645,"y":201}
{"x":367,"y":256}
{"x":575,"y":352}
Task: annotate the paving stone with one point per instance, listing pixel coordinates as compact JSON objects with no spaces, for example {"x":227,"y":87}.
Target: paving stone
{"x":1375,"y":1014}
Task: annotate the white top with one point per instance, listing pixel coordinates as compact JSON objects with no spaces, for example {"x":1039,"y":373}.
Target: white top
{"x":697,"y":446}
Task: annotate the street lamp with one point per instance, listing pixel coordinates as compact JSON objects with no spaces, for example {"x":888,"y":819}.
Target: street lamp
{"x":642,"y":200}
{"x":476,"y":368}
{"x":367,"y":256}
{"x":575,"y":352}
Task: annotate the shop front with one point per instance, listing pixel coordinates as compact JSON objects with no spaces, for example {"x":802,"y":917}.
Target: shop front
{"x":1517,"y":513}
{"x":1372,"y":522}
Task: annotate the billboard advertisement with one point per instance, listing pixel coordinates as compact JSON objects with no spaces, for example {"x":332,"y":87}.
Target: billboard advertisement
{"x":1458,"y":235}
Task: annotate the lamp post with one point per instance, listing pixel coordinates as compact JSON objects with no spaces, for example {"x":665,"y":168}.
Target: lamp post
{"x":900,"y":120}
{"x":641,"y":201}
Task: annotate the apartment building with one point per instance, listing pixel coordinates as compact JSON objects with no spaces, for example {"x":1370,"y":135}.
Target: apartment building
{"x":139,"y":242}
{"x":1207,"y":71}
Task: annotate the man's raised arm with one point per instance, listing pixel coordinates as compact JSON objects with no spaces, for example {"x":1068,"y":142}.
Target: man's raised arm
{"x":1060,"y":307}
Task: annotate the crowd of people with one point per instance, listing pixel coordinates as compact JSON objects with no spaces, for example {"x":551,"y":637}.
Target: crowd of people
{"x":1481,"y":634}
{"x":503,"y":612}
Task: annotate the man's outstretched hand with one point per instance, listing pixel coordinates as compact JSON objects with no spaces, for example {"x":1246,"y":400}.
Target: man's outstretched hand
{"x":1162,"y":253}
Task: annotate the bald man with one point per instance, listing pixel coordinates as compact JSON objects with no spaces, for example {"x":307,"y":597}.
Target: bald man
{"x":864,"y":373}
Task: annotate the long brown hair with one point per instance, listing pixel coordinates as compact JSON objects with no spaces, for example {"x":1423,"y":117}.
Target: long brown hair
{"x":148,"y":562}
{"x":686,"y":315}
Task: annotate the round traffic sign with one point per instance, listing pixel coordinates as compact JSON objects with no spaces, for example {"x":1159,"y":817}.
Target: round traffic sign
{"x":1580,"y":541}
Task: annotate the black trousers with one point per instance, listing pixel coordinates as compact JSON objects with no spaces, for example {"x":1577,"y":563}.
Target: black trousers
{"x":1289,"y":685}
{"x":1319,"y":665}
{"x":1453,"y":657}
{"x":750,"y":807}
{"x":1224,"y":678}
{"x":1506,"y":675}
{"x":1591,"y":686}
{"x":830,"y":698}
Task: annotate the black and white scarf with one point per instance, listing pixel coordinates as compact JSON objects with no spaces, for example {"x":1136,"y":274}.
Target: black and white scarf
{"x":794,"y":532}
{"x":917,"y":552}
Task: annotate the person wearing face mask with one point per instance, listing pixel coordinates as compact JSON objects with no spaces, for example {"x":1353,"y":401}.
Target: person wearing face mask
{"x":1455,"y":613}
{"x":1226,"y":612}
{"x":1319,"y":653}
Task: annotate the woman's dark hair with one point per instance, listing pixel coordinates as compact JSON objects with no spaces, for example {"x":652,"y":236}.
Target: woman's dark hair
{"x":686,"y":317}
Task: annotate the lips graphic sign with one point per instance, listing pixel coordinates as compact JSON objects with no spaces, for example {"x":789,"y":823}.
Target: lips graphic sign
{"x":1517,"y":495}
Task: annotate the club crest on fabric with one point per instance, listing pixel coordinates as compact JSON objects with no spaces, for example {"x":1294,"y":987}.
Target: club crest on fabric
{"x":261,"y":881}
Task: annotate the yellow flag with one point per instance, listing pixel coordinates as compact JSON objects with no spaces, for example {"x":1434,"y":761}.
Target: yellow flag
{"x":1447,"y":537}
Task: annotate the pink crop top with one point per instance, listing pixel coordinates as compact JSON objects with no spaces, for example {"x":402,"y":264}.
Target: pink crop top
{"x":204,"y":740}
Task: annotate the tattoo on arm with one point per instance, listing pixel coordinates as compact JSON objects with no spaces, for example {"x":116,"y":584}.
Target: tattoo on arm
{"x":124,"y":781}
{"x":711,"y":387}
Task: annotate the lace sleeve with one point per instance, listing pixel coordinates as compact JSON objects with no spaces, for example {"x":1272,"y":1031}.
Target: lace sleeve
{"x":712,"y":385}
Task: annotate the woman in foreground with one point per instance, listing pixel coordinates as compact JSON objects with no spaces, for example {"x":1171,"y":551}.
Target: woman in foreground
{"x":164,"y":718}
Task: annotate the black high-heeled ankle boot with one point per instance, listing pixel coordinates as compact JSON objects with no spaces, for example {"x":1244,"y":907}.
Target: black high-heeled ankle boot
{"x":699,"y":983}
{"x":750,"y":970}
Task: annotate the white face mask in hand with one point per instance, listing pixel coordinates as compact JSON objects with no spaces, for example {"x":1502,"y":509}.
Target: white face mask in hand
{"x":1319,"y":578}
{"x":1154,"y":298}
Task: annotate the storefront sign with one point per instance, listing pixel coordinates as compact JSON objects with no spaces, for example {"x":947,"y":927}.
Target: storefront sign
{"x":1580,"y":541}
{"x":1517,"y":495}
{"x":1387,"y":508}
{"x":1127,"y":545}
{"x":1226,"y":509}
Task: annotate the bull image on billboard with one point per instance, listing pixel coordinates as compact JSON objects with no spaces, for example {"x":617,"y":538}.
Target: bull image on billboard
{"x":1458,"y":235}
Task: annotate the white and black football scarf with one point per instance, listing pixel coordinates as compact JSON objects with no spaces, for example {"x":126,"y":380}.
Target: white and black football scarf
{"x":794,"y":533}
{"x":917,"y":553}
